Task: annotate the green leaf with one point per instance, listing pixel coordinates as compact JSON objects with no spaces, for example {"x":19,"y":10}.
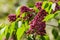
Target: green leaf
{"x":18,"y":11}
{"x":57,"y":11}
{"x":36,"y":9}
{"x":58,"y":38}
{"x":30,"y":3}
{"x":27,"y":25}
{"x":45,"y":5}
{"x":59,"y":2}
{"x":29,"y":38}
{"x":56,"y":15}
{"x":16,"y":26}
{"x":49,"y":7}
{"x":48,"y":17}
{"x":45,"y":37}
{"x":12,"y":28}
{"x":7,"y":29}
{"x":59,"y":26}
{"x":42,"y":38}
{"x":18,"y":19}
{"x":24,"y":14}
{"x":55,"y":33}
{"x":7,"y":36}
{"x":20,"y":32}
{"x":2,"y":32}
{"x":2,"y":26}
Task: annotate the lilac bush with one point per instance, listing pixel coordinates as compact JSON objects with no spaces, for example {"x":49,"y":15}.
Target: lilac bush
{"x":33,"y":25}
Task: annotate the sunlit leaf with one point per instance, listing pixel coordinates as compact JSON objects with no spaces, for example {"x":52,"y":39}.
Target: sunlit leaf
{"x":59,"y":2}
{"x":44,"y":5}
{"x":24,"y":14}
{"x":2,"y":30}
{"x":12,"y":28}
{"x":45,"y":37}
{"x":47,"y":6}
{"x":48,"y":17}
{"x":27,"y":26}
{"x":36,"y":9}
{"x":18,"y":11}
{"x":2,"y":26}
{"x":6,"y":30}
{"x":20,"y":32}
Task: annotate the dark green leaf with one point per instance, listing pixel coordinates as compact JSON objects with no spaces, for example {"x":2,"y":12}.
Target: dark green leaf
{"x":55,"y":33}
{"x":58,"y":38}
{"x":7,"y":36}
{"x":16,"y":26}
{"x":29,"y":38}
{"x":45,"y":37}
{"x":42,"y":38}
{"x":46,"y":5}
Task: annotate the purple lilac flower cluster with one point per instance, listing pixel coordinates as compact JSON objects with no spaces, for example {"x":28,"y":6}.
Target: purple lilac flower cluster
{"x":28,"y":12}
{"x":25,"y":9}
{"x":37,"y":25}
{"x":38,"y":5}
{"x":11,"y":17}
